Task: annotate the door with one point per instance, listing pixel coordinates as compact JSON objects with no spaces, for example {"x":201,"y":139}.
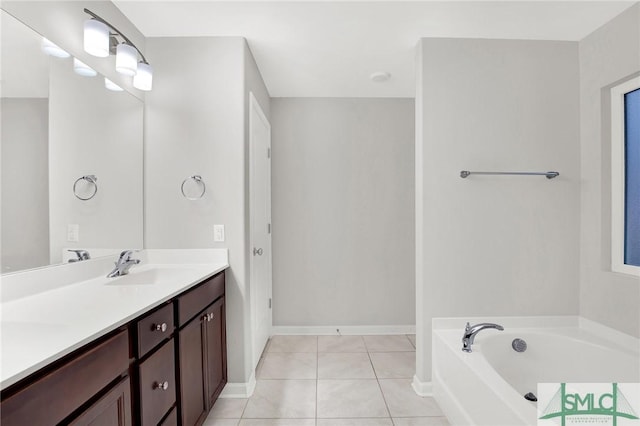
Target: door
{"x":260,"y":211}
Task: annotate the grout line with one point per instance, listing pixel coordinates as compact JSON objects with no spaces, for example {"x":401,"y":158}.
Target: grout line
{"x":375,"y":373}
{"x":246,"y":404}
{"x":317,"y":378}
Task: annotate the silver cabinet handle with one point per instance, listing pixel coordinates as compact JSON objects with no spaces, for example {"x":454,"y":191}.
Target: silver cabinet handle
{"x":257,"y":251}
{"x":207,"y":317}
{"x":160,"y":327}
{"x":161,"y":385}
{"x":210,"y":316}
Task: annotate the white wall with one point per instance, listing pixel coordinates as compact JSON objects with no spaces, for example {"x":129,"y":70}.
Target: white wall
{"x":93,"y":131}
{"x":196,"y":123}
{"x":342,"y":206}
{"x":495,"y":245}
{"x":607,"y":56}
{"x":25,"y":193}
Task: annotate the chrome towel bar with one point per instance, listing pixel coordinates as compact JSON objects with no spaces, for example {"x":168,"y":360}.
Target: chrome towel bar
{"x":198,"y":180}
{"x":92,"y":181}
{"x":549,"y":175}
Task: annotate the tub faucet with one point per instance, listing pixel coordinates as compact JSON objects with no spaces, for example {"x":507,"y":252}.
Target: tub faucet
{"x":470,"y":332}
{"x":123,"y":264}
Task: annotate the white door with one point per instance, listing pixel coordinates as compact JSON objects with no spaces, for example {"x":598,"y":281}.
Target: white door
{"x":260,"y":211}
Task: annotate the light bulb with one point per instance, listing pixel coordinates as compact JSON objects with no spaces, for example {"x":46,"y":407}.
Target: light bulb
{"x":83,"y":69}
{"x":96,"y":38}
{"x":143,"y":80}
{"x":53,"y":49}
{"x":126,"y":59}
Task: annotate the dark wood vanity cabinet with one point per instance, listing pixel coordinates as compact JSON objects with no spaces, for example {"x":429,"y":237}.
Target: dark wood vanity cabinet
{"x":155,"y":366}
{"x":61,"y":391}
{"x":114,"y":408}
{"x":215,"y":350}
{"x":166,"y":368}
{"x":201,"y":350}
{"x":157,"y":385}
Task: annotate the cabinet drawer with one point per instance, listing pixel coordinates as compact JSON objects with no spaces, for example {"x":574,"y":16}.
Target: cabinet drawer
{"x":157,"y":385}
{"x":154,"y":328}
{"x":199,"y":298}
{"x":172,"y":419}
{"x":56,"y":395}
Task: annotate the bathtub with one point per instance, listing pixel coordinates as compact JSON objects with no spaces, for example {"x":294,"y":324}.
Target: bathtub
{"x":487,"y":386}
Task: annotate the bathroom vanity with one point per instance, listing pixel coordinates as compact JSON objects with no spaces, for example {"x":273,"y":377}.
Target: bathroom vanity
{"x":148,"y":348}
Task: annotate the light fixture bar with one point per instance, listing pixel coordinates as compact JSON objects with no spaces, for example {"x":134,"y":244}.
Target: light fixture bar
{"x":117,"y":32}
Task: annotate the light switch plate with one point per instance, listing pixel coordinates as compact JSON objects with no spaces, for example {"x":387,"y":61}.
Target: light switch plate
{"x":73,"y":233}
{"x":218,"y":233}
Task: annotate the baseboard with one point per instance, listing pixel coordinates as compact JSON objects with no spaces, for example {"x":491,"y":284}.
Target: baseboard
{"x":344,"y":329}
{"x":239,"y":390}
{"x":422,"y":388}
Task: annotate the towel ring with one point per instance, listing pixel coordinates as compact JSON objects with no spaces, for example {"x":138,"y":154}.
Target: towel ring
{"x":91,"y":179}
{"x":199,"y":181}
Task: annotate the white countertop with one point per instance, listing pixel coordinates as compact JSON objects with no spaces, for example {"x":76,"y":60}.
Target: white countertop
{"x":44,"y":324}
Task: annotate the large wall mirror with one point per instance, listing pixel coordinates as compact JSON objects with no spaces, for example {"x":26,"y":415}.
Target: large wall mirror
{"x":60,"y":130}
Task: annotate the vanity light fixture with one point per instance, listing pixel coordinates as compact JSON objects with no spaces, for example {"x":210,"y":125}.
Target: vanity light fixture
{"x":96,"y":38}
{"x":110,"y":85}
{"x":143,"y":79}
{"x":83,"y":69}
{"x":100,"y":37}
{"x":126,"y":59}
{"x":53,"y":49}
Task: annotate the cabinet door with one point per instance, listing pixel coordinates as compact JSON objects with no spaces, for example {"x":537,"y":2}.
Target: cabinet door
{"x":192,"y":391}
{"x":113,"y":409}
{"x":215,"y":351}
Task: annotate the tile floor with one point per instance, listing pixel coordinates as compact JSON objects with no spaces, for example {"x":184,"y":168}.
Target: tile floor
{"x":333,"y":381}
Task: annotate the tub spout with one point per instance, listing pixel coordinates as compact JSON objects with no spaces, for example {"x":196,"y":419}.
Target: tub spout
{"x":470,"y":332}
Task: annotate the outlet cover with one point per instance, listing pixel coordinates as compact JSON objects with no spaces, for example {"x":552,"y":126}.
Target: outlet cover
{"x":73,"y":233}
{"x":218,"y":233}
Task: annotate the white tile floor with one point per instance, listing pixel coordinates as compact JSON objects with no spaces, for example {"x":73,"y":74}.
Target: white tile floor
{"x":333,"y":381}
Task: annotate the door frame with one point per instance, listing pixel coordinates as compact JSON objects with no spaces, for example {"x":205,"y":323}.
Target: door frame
{"x":256,"y":112}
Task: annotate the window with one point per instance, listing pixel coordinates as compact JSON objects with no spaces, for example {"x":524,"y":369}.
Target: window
{"x":625,"y":182}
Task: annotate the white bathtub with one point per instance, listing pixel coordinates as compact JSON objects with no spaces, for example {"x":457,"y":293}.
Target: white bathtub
{"x":487,"y":386}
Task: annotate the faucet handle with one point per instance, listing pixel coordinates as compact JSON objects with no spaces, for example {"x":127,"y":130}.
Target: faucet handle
{"x":467,"y":327}
{"x":126,"y":254}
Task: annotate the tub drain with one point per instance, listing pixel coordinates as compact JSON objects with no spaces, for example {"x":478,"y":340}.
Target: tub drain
{"x":519,"y":345}
{"x":530,"y":397}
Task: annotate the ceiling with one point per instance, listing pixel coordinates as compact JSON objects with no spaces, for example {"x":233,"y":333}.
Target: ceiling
{"x":330,"y":48}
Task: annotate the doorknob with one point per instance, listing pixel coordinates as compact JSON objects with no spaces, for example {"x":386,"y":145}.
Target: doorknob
{"x":257,"y":251}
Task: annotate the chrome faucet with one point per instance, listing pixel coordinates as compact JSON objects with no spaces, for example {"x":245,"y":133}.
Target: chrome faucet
{"x":470,"y":332}
{"x":80,"y":255}
{"x":123,"y":264}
